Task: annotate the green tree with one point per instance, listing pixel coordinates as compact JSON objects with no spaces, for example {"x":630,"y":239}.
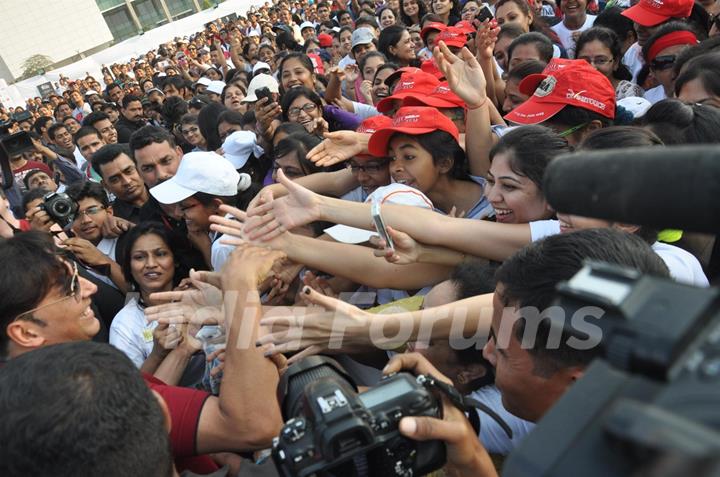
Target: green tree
{"x":34,"y":65}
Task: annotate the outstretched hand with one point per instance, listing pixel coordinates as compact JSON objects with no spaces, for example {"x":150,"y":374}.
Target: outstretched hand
{"x":463,"y":73}
{"x":337,"y":147}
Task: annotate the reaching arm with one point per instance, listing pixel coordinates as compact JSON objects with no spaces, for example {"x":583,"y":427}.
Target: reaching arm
{"x":334,"y":184}
{"x":246,"y":414}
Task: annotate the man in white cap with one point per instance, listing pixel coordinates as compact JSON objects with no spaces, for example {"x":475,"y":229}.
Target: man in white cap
{"x":307,"y":30}
{"x":261,"y":68}
{"x":203,"y":182}
{"x":201,"y":85}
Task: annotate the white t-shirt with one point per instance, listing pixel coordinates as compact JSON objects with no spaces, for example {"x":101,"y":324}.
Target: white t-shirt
{"x":492,"y":436}
{"x":79,"y":159}
{"x":107,"y":247}
{"x":364,"y":111}
{"x":633,"y":59}
{"x":655,"y":94}
{"x":131,"y":333}
{"x":566,"y":36}
{"x":683,"y":266}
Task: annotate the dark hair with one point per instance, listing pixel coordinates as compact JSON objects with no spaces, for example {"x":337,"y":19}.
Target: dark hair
{"x":390,"y":36}
{"x":678,"y":123}
{"x":83,"y":409}
{"x":302,"y":58}
{"x":111,"y":87}
{"x":531,"y":148}
{"x":94,"y":117}
{"x":189,"y":119}
{"x":620,"y":137}
{"x":32,"y":194}
{"x":538,"y":24}
{"x":107,"y":154}
{"x":575,"y":115}
{"x":407,"y":21}
{"x":87,"y":190}
{"x":28,"y":176}
{"x":524,"y":69}
{"x":299,"y":143}
{"x":611,"y":41}
{"x":430,"y":18}
{"x":52,"y":129}
{"x":510,"y":30}
{"x":542,"y":43}
{"x":86,"y":131}
{"x":705,"y":69}
{"x":147,"y":135}
{"x":529,"y":279}
{"x":306,"y":45}
{"x":613,"y":19}
{"x":710,"y":45}
{"x":365,"y":20}
{"x":132,"y":236}
{"x":663,"y":30}
{"x":289,"y":129}
{"x":129,"y":98}
{"x":172,"y":109}
{"x":231,"y":117}
{"x":176,"y":81}
{"x":295,"y":93}
{"x":33,"y":258}
{"x":208,"y":124}
{"x":40,"y":123}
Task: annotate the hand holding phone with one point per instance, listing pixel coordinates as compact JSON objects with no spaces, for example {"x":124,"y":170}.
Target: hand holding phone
{"x":484,"y":14}
{"x":380,"y":225}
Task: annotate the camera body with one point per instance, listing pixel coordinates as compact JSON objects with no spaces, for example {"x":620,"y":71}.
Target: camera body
{"x":60,"y":207}
{"x":333,"y":430}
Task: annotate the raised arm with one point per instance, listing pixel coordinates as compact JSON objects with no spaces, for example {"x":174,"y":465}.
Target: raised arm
{"x":246,"y":414}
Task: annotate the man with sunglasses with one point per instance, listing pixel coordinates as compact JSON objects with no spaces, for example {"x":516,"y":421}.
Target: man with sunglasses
{"x":45,"y":301}
{"x":661,"y":51}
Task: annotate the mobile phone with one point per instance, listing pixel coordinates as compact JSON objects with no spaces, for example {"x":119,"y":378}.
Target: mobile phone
{"x":484,"y":14}
{"x":264,"y":92}
{"x":380,"y":225}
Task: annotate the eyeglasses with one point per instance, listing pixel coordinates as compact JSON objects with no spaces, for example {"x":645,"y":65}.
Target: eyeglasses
{"x":597,"y":61}
{"x":573,"y":129}
{"x":94,"y":210}
{"x":663,"y":62}
{"x":373,"y":168}
{"x":308,"y":108}
{"x":74,"y":291}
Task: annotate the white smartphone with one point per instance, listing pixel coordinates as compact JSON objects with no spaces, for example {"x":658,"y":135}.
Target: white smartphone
{"x":380,"y":225}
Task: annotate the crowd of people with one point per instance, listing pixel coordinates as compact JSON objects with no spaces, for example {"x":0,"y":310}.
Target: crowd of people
{"x":216,"y":222}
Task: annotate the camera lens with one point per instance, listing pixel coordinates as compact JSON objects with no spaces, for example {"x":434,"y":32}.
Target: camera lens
{"x":61,"y":208}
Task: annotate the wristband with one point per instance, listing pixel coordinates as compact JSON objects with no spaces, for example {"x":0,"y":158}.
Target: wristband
{"x":478,"y":106}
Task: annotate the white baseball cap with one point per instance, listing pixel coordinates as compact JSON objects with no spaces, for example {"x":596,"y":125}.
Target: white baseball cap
{"x":238,"y":146}
{"x":204,"y":80}
{"x":305,"y":25}
{"x":636,"y":105}
{"x":397,"y":194}
{"x":204,"y":171}
{"x":260,"y":81}
{"x":216,"y":87}
{"x":260,"y":66}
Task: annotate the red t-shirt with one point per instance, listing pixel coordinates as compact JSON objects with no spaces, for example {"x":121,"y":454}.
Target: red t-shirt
{"x":21,"y":172}
{"x":184,"y":405}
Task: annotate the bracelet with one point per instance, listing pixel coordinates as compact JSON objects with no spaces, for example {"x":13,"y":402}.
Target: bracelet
{"x":478,"y":106}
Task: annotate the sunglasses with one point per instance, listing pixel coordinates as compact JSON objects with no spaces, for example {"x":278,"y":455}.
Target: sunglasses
{"x":663,"y":62}
{"x":73,"y":291}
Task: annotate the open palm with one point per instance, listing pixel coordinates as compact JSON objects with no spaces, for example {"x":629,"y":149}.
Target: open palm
{"x":463,"y":73}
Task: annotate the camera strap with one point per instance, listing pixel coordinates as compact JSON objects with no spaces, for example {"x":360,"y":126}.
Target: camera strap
{"x":465,"y":404}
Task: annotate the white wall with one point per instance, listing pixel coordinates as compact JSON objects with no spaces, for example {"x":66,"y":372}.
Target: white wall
{"x":56,"y":28}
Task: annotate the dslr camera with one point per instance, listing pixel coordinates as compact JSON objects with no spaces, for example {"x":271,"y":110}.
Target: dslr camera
{"x":330,"y":429}
{"x":60,"y":207}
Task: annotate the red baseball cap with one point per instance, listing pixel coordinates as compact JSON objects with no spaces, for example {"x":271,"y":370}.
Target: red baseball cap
{"x":452,"y":37}
{"x":413,"y":121}
{"x":373,"y":123}
{"x":431,"y":27}
{"x":564,"y":83}
{"x":395,"y":75}
{"x":325,"y":40}
{"x":429,"y":67}
{"x":440,"y":97}
{"x":418,"y":83}
{"x":649,"y":13}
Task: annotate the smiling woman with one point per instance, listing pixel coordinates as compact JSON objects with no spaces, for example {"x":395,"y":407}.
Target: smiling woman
{"x":149,"y":266}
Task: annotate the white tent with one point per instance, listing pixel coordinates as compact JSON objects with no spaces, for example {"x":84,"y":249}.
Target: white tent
{"x":123,"y":51}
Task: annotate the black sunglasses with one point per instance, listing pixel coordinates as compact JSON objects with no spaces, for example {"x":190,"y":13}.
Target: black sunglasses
{"x":663,"y":62}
